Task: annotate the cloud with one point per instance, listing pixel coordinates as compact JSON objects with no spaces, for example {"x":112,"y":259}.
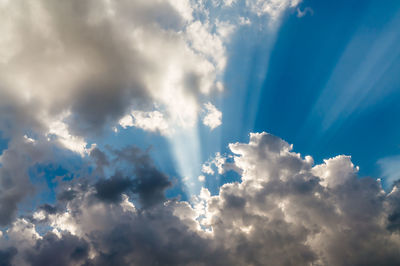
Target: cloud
{"x":54,"y":250}
{"x":7,"y":255}
{"x":273,"y":8}
{"x":14,"y":173}
{"x":285,"y":211}
{"x":59,"y":130}
{"x":201,"y":178}
{"x":219,"y":162}
{"x":112,"y":189}
{"x":306,"y":10}
{"x":135,"y":174}
{"x":153,"y":121}
{"x":213,"y":116}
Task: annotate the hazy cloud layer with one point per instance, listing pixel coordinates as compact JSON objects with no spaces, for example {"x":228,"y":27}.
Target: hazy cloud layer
{"x":285,"y":211}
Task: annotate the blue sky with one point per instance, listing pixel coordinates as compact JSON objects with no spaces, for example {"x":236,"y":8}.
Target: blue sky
{"x":164,"y":108}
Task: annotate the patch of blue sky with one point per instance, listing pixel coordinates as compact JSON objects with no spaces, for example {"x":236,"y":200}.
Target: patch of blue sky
{"x":390,"y":168}
{"x":3,"y":143}
{"x":47,"y":176}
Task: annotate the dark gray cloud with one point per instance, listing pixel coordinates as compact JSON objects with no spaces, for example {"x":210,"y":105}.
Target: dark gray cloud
{"x":48,"y":208}
{"x":7,"y":255}
{"x":100,"y":159}
{"x":54,"y":250}
{"x":111,"y":189}
{"x":155,"y":237}
{"x":66,"y":195}
{"x":139,"y":176}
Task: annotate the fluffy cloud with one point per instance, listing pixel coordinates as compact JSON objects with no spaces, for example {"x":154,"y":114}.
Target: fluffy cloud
{"x":220,"y":163}
{"x":273,"y":8}
{"x":213,"y":116}
{"x":285,"y":211}
{"x":153,"y":121}
{"x":95,"y":60}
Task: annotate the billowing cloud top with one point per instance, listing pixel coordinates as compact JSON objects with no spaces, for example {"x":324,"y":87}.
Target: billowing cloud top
{"x":285,"y":211}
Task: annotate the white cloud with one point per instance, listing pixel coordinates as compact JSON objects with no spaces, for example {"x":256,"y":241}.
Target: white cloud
{"x":150,"y":121}
{"x":229,"y":2}
{"x":59,"y":129}
{"x":273,"y":8}
{"x":219,"y":162}
{"x":126,"y":121}
{"x":213,"y":117}
{"x":29,"y":139}
{"x":23,"y":234}
{"x":206,"y":169}
{"x":201,"y":178}
{"x":336,"y":171}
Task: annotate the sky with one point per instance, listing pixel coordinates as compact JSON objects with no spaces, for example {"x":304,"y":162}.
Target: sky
{"x":199,"y":132}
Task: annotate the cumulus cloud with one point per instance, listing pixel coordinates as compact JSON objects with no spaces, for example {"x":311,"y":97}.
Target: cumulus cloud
{"x":213,"y":116}
{"x":284,"y":211}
